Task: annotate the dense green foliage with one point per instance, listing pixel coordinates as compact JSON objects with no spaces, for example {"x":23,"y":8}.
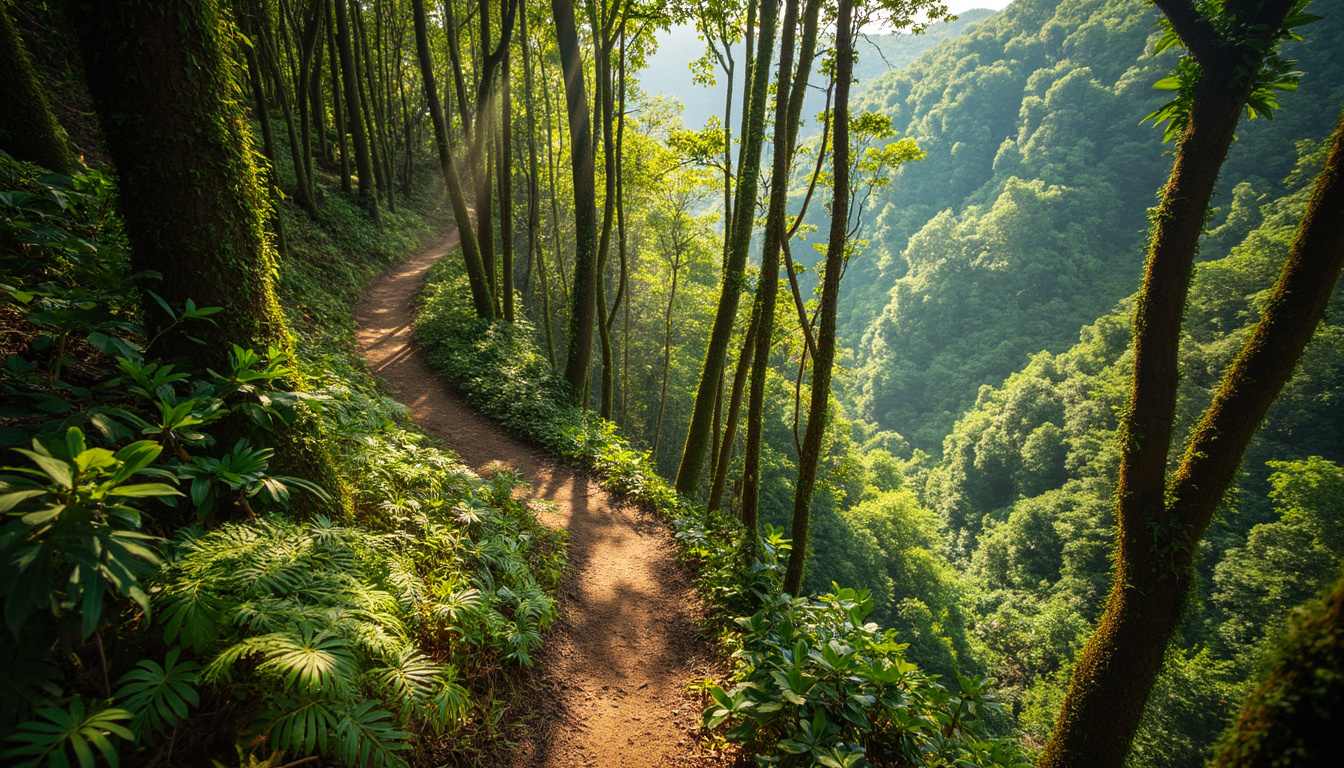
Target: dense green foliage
{"x":813,"y":682}
{"x":1025,"y":223}
{"x":1024,"y":497}
{"x":144,"y":546}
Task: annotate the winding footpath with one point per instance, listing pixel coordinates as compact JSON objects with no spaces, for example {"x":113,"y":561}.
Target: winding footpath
{"x":610,"y":683}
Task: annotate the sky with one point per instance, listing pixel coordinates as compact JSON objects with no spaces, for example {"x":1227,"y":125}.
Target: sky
{"x":957,"y":6}
{"x":667,"y":70}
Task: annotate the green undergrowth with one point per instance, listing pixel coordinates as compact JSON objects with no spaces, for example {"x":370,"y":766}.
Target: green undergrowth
{"x":163,"y":604}
{"x":812,"y":682}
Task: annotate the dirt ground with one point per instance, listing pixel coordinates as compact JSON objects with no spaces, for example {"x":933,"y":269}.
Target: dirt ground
{"x":610,"y":685}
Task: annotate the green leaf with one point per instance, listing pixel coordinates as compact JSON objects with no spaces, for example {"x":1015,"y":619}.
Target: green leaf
{"x":44,"y":740}
{"x":134,"y":458}
{"x":57,"y":470}
{"x":144,"y":490}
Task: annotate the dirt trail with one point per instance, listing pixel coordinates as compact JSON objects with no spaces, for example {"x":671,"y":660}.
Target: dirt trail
{"x":609,"y":686}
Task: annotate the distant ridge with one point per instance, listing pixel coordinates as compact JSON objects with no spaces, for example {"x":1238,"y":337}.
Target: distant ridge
{"x":880,"y":53}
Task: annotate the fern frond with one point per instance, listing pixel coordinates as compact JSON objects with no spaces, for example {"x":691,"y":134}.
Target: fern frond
{"x":159,"y":695}
{"x":301,"y":727}
{"x":191,"y":614}
{"x":451,"y":701}
{"x":314,"y":662}
{"x":369,"y":738}
{"x":44,"y":741}
{"x":409,"y":678}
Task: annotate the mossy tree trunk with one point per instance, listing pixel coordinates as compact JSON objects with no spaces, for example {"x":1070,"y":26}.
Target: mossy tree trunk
{"x":194,"y":204}
{"x":583,"y":311}
{"x":824,"y":360}
{"x":735,"y":254}
{"x":354,"y":120}
{"x":1161,"y":521}
{"x":28,"y":129}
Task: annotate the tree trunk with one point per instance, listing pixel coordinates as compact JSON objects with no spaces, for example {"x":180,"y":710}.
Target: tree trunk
{"x":667,"y":348}
{"x":368,"y":108}
{"x":162,"y":82}
{"x":604,"y":112}
{"x":471,"y":255}
{"x":560,"y":267}
{"x":584,"y":295}
{"x":309,"y":80}
{"x":824,"y":359}
{"x":534,"y":251}
{"x":618,"y":163}
{"x":272,"y":57}
{"x":337,"y":101}
{"x":506,"y":186}
{"x":735,"y":259}
{"x":792,"y":81}
{"x":28,"y":129}
{"x":318,"y":106}
{"x":373,"y":111}
{"x":1160,"y":525}
{"x":721,"y":466}
{"x":455,"y":64}
{"x":354,"y":119}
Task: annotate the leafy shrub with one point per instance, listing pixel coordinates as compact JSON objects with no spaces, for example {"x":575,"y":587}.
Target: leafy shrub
{"x":350,"y":640}
{"x":815,"y":684}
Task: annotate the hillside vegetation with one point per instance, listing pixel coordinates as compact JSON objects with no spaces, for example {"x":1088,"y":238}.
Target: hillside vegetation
{"x":1027,"y":219}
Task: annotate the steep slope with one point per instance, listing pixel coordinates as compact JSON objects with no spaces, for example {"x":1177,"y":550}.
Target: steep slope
{"x":1026,"y":221}
{"x":1024,"y":495}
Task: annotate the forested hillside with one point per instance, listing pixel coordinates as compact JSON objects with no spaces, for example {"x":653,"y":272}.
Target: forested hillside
{"x":1024,"y":495}
{"x":389,"y":383}
{"x":1026,"y":220}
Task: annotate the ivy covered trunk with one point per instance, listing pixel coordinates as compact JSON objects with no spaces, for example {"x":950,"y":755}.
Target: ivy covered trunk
{"x":193,"y":199}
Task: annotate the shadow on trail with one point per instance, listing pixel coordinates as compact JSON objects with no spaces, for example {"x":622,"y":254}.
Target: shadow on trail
{"x":609,"y":685}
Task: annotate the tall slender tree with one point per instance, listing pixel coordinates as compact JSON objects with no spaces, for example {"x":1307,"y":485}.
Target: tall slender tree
{"x":535,"y":254}
{"x":824,"y":357}
{"x":583,"y":310}
{"x":471,"y":254}
{"x":791,"y":88}
{"x":735,"y":258}
{"x":354,"y":121}
{"x":505,"y":183}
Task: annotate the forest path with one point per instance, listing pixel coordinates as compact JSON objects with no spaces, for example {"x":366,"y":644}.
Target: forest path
{"x":609,"y":687}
